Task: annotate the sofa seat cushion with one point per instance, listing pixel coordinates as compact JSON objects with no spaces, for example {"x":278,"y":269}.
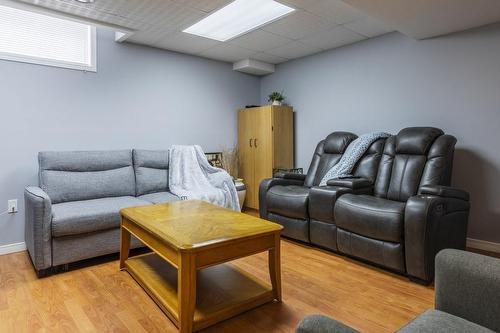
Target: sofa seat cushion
{"x":370,"y":216}
{"x":79,"y":217}
{"x":441,"y":322}
{"x":159,"y":197}
{"x":289,"y":201}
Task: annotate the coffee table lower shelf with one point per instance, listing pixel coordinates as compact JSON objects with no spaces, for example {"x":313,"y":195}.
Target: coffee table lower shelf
{"x":223,"y":291}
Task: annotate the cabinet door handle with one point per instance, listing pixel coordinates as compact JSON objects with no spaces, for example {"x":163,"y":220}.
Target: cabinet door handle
{"x":250,"y":143}
{"x":255,"y":142}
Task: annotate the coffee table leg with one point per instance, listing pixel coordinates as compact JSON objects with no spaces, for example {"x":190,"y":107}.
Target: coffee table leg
{"x":275,"y":267}
{"x":186,"y":292}
{"x":124,"y":246}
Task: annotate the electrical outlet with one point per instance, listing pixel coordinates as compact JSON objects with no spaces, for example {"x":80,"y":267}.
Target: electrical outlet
{"x":12,"y":206}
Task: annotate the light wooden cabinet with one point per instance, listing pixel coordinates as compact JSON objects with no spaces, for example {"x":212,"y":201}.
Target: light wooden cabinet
{"x":265,"y":142}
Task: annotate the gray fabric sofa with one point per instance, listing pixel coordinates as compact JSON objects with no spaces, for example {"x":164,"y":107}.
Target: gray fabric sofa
{"x":467,"y":299}
{"x":74,"y":212}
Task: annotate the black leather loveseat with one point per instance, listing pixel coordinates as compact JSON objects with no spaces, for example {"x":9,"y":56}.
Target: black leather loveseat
{"x":397,"y":211}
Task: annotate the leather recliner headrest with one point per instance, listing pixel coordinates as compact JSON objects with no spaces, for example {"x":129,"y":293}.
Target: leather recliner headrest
{"x":416,"y":140}
{"x":337,"y":142}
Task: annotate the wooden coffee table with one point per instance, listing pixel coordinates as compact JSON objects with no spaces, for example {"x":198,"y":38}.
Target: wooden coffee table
{"x":185,"y":274}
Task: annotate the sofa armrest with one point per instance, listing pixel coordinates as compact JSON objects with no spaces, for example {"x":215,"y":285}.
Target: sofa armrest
{"x":445,"y":191}
{"x":290,"y":175}
{"x":266,"y":184}
{"x":38,"y":220}
{"x":432,"y":223}
{"x":322,"y":324}
{"x":468,"y":286}
{"x":352,"y":183}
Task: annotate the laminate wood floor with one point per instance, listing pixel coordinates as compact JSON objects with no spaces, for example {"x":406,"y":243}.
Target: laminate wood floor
{"x":97,"y":297}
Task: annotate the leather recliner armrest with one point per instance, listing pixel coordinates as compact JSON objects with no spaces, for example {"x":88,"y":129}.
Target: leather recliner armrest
{"x":266,"y":184}
{"x":322,"y":201}
{"x":444,"y":191}
{"x":352,"y":183}
{"x":432,"y":223}
{"x":290,"y":175}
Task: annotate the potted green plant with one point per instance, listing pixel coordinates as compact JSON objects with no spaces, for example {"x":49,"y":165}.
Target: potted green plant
{"x":276,"y":98}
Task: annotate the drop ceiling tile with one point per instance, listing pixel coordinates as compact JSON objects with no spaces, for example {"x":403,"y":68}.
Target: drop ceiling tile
{"x":269,"y":58}
{"x":175,"y":16}
{"x":302,"y":4}
{"x":90,"y":12}
{"x":134,"y":14}
{"x":151,"y":35}
{"x":294,"y":50}
{"x":185,"y":43}
{"x":338,"y":36}
{"x":260,"y":40}
{"x":336,"y":10}
{"x":368,"y":27}
{"x":205,"y":5}
{"x":144,"y":37}
{"x":140,"y":10}
{"x":298,"y":25}
{"x":153,"y":12}
{"x":111,"y":7}
{"x":227,"y":52}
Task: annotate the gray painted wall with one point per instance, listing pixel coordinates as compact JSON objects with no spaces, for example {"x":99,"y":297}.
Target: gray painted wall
{"x":139,"y":98}
{"x":147,"y":98}
{"x":391,"y":82}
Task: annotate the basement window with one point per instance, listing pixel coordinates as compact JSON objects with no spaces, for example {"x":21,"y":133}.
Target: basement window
{"x":42,"y":39}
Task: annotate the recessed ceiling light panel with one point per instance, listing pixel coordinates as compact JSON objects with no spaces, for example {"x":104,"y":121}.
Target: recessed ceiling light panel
{"x":238,"y":18}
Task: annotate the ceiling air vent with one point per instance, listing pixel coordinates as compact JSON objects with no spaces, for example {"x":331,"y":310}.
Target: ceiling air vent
{"x":254,"y":67}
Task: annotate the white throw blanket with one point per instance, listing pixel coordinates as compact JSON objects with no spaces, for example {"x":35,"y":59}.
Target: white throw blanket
{"x":351,"y":156}
{"x":192,"y":177}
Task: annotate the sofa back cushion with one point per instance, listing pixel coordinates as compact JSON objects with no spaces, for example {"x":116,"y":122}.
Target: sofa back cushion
{"x":439,"y":164}
{"x":328,"y":152}
{"x":415,"y":157}
{"x":151,"y":171}
{"x":367,"y":166}
{"x":83,"y":175}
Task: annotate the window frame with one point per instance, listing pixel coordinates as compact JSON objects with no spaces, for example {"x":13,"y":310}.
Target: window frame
{"x":54,"y":62}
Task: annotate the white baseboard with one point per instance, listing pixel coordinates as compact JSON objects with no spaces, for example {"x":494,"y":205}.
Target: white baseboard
{"x":471,"y":243}
{"x":483,"y":245}
{"x":11,"y":248}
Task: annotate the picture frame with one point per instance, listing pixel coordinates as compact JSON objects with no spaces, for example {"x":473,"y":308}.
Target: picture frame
{"x":215,"y":159}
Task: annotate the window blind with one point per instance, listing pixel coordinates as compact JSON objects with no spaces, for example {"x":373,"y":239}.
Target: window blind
{"x":33,"y":37}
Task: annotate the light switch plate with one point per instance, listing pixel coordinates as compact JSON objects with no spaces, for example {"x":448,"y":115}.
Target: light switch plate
{"x":12,"y":206}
